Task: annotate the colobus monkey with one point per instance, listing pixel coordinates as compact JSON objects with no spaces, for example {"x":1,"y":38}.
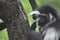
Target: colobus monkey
{"x":47,"y":20}
{"x":43,"y":15}
{"x":3,"y":15}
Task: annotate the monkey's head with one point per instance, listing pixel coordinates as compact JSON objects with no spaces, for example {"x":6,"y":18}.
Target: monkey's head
{"x":44,"y":15}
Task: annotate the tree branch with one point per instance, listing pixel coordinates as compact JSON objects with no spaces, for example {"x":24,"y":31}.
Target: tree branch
{"x":33,"y":4}
{"x":18,"y":25}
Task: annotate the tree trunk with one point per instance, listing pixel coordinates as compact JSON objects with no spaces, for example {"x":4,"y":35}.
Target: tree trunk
{"x":33,"y":4}
{"x":18,"y":25}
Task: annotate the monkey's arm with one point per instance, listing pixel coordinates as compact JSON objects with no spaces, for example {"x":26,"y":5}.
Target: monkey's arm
{"x":33,"y":26}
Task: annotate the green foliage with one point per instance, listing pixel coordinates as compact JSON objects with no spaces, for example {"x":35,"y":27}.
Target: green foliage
{"x":1,"y":21}
{"x":28,"y":9}
{"x":3,"y":35}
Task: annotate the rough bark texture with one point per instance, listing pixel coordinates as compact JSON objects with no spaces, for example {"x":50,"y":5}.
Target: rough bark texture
{"x":3,"y":14}
{"x":18,"y":26}
{"x":33,"y":4}
{"x":3,"y":0}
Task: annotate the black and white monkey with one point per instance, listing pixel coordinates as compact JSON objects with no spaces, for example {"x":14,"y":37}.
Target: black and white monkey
{"x":47,"y":20}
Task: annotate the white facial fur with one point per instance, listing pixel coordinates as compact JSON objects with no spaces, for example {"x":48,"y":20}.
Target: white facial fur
{"x":35,"y":12}
{"x":50,"y":16}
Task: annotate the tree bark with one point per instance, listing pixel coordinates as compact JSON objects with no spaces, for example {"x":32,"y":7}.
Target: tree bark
{"x":33,"y":4}
{"x":18,"y":25}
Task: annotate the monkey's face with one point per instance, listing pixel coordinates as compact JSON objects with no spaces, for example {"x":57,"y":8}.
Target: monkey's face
{"x":41,"y":18}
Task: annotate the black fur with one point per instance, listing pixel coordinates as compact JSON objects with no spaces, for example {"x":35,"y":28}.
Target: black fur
{"x":48,"y":9}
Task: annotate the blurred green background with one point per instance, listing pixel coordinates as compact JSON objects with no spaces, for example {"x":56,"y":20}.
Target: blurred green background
{"x":28,"y":9}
